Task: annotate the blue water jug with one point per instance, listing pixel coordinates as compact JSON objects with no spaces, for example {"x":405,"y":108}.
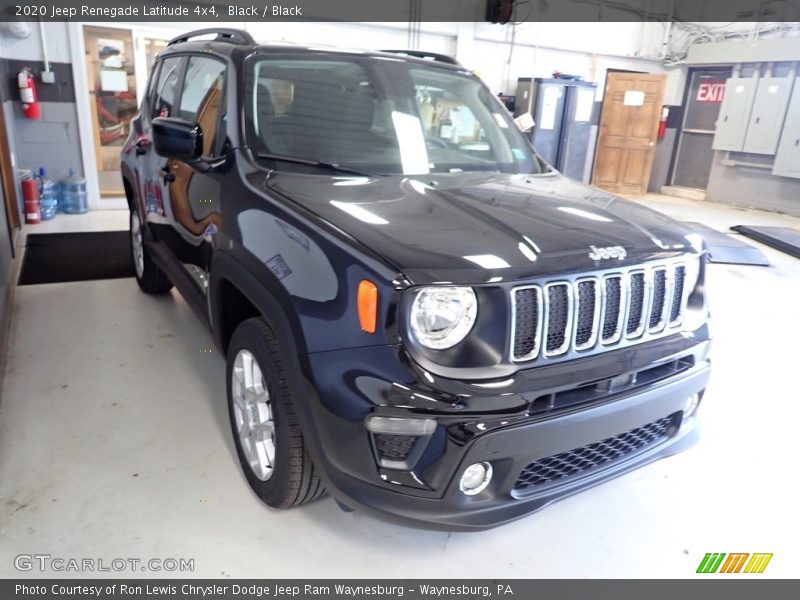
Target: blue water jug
{"x":150,"y":196}
{"x":73,"y":194}
{"x":48,"y":196}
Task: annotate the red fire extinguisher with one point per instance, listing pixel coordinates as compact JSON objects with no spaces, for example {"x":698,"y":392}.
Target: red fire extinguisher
{"x":30,"y":195}
{"x":662,"y":124}
{"x":27,"y":93}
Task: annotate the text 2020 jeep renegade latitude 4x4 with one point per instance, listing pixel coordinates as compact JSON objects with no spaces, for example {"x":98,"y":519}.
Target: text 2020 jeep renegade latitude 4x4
{"x":419,"y":315}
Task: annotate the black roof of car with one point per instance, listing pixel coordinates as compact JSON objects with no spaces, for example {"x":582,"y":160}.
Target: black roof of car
{"x":228,"y":40}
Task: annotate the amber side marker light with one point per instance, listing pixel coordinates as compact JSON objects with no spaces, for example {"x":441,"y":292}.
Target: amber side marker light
{"x":367,"y":305}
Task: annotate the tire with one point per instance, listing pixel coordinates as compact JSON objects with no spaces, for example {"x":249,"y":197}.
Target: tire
{"x":151,"y":279}
{"x":288,"y":477}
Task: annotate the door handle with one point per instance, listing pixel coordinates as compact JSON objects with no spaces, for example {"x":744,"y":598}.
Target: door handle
{"x":167,"y":175}
{"x":141,"y":144}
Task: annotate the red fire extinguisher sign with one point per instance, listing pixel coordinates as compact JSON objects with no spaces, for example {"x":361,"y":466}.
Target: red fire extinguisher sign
{"x":27,"y":94}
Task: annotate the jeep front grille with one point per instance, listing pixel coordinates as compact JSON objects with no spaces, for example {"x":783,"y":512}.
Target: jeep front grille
{"x":636,"y":288}
{"x":677,"y":296}
{"x":529,"y":322}
{"x":585,"y":313}
{"x":558,"y":321}
{"x":613,"y":313}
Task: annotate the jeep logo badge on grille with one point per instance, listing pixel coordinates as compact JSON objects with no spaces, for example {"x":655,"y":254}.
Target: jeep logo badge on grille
{"x":610,"y":252}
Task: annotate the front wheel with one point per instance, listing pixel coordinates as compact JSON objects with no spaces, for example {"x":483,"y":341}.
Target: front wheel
{"x":149,"y":276}
{"x":267,"y":434}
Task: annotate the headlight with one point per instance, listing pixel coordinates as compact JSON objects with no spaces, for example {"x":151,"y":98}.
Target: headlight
{"x":443,"y":316}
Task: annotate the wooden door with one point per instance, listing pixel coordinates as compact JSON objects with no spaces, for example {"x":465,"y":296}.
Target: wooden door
{"x":626,"y":142}
{"x":8,"y":186}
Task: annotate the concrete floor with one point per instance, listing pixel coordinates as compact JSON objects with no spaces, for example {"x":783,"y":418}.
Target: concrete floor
{"x":114,"y":442}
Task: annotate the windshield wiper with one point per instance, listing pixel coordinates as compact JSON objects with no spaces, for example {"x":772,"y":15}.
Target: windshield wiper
{"x":314,"y":163}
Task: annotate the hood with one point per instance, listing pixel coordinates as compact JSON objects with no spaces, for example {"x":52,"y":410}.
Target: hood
{"x":478,"y":227}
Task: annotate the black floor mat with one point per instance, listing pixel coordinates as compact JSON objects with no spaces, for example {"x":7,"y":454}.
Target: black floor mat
{"x":725,"y":248}
{"x":784,"y":239}
{"x":59,"y":257}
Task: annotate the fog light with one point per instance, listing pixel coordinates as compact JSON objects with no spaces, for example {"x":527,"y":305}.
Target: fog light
{"x":475,"y":478}
{"x":691,"y":405}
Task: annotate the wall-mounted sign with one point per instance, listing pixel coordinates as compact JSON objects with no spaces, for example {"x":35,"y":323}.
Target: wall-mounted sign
{"x":549,"y":107}
{"x":584,"y":105}
{"x":711,"y":91}
{"x":113,"y":81}
{"x":633,"y":98}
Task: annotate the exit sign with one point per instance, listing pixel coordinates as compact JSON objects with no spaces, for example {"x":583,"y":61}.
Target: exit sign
{"x":711,"y":91}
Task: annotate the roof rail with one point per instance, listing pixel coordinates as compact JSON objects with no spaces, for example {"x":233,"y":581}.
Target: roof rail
{"x":426,"y":55}
{"x":233,"y":36}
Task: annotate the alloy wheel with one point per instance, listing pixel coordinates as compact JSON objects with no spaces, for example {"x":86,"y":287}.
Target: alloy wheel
{"x":252,"y":411}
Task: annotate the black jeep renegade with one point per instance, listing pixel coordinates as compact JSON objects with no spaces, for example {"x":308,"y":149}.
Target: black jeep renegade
{"x":419,"y":315}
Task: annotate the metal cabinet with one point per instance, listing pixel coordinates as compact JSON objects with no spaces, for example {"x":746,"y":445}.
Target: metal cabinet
{"x":767,"y":115}
{"x":563,"y":112}
{"x":787,"y":158}
{"x":734,"y":114}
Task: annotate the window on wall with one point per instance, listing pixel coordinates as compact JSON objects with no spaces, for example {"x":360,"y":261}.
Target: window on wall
{"x":152,"y":46}
{"x":111,"y":79}
{"x":202,"y":100}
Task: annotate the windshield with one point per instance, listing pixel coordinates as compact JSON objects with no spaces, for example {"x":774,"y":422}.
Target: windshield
{"x":379,"y":116}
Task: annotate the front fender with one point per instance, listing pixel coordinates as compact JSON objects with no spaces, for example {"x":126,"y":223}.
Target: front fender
{"x":262,"y":289}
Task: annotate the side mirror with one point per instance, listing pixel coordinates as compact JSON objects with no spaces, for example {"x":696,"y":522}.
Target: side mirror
{"x":176,"y":138}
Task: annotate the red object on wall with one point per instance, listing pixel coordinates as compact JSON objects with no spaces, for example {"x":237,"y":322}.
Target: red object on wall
{"x":662,"y":124}
{"x":30,"y":195}
{"x":712,"y":90}
{"x":27,"y":94}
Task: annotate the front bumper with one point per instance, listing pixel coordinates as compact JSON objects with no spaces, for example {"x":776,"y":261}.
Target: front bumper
{"x":427,"y":493}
